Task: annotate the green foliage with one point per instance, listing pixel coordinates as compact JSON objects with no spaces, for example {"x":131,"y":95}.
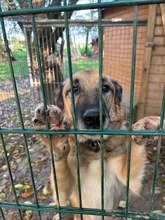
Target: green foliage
{"x":21,"y":68}
{"x":80,"y":64}
{"x":20,"y":65}
{"x":17,"y":44}
{"x":20,"y":54}
{"x":82,"y":51}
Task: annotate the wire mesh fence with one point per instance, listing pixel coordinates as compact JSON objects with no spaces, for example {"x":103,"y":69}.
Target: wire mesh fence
{"x":50,"y":54}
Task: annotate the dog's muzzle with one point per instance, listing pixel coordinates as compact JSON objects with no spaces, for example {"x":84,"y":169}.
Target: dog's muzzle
{"x":91,"y":118}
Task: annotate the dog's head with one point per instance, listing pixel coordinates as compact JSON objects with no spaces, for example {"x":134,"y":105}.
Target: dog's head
{"x":86,"y":89}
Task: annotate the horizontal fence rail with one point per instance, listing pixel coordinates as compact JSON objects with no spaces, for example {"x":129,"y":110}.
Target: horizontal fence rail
{"x":104,"y":22}
{"x":96,"y":212}
{"x":66,"y":23}
{"x":92,"y":132}
{"x":79,"y":7}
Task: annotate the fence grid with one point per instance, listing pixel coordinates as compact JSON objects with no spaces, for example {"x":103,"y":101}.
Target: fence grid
{"x":39,"y":208}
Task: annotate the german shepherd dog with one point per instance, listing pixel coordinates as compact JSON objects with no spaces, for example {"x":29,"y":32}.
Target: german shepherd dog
{"x":115,"y":147}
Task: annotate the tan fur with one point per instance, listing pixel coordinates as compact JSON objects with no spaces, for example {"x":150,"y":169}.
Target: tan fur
{"x":59,"y":145}
{"x":115,"y":148}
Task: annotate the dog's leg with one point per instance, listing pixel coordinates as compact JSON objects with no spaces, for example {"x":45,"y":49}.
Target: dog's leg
{"x":60,"y":146}
{"x":138,"y":155}
{"x":65,"y":181}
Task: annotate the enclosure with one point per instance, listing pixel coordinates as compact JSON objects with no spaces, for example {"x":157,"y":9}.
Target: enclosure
{"x":150,"y":75}
{"x":44,"y":42}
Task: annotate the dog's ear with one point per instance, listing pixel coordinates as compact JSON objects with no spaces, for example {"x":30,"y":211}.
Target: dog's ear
{"x":58,"y":98}
{"x":118,"y":91}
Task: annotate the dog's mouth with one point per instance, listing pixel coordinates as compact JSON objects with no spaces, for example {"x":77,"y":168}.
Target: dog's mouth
{"x":93,"y":145}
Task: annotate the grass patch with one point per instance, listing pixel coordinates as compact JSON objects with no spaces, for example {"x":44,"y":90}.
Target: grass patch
{"x":89,"y":51}
{"x":88,"y":63}
{"x":20,"y":54}
{"x":81,"y":50}
{"x":20,"y":66}
{"x":20,"y":69}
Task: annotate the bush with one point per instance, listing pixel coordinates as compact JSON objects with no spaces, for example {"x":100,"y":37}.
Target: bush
{"x":82,"y":51}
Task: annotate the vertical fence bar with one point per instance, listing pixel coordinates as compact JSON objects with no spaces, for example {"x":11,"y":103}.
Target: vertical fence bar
{"x":10,"y":175}
{"x":19,"y":108}
{"x":133,"y":67}
{"x":2,"y":214}
{"x":157,"y":153}
{"x":100,"y":43}
{"x":73,"y":106}
{"x":34,"y":29}
{"x":163,"y":110}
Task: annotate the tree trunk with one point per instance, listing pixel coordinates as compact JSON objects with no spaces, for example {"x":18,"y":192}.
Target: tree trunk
{"x":86,"y":43}
{"x":51,"y":57}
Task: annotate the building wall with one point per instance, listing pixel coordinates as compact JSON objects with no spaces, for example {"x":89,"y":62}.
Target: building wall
{"x":117,"y":48}
{"x":156,"y":78}
{"x":117,"y":57}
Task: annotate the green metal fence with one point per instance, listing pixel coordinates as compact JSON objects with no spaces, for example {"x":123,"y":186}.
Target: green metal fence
{"x":24,"y":132}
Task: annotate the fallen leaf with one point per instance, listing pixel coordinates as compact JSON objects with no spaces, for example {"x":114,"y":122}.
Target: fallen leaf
{"x":158,"y":212}
{"x":22,"y":187}
{"x":27,"y":214}
{"x":15,"y":152}
{"x":2,"y":197}
{"x":27,"y":193}
{"x":42,"y":197}
{"x":56,"y":217}
{"x":28,"y":203}
{"x":47,"y":190}
{"x":122,"y":204}
{"x":53,"y":204}
{"x":157,"y":190}
{"x":12,"y":213}
{"x":162,"y":179}
{"x":12,"y":198}
{"x":44,"y":158}
{"x":4,"y":167}
{"x":18,"y":186}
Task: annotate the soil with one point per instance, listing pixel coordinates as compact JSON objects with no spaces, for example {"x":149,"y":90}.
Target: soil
{"x":40,"y":160}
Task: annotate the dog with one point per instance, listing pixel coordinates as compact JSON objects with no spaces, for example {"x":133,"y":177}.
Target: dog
{"x":114,"y":148}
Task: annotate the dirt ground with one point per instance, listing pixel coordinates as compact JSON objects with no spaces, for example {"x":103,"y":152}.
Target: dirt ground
{"x":40,"y":161}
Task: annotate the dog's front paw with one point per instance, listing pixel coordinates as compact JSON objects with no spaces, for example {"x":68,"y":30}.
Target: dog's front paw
{"x":147,"y":123}
{"x":39,"y":120}
{"x":39,"y":113}
{"x":56,"y":118}
{"x":54,"y":114}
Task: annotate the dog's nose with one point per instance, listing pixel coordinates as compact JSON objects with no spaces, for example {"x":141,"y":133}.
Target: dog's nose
{"x":91,"y":119}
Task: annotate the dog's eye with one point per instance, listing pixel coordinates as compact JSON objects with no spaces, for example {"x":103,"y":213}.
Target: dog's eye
{"x":75,"y":89}
{"x":106,"y":88}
